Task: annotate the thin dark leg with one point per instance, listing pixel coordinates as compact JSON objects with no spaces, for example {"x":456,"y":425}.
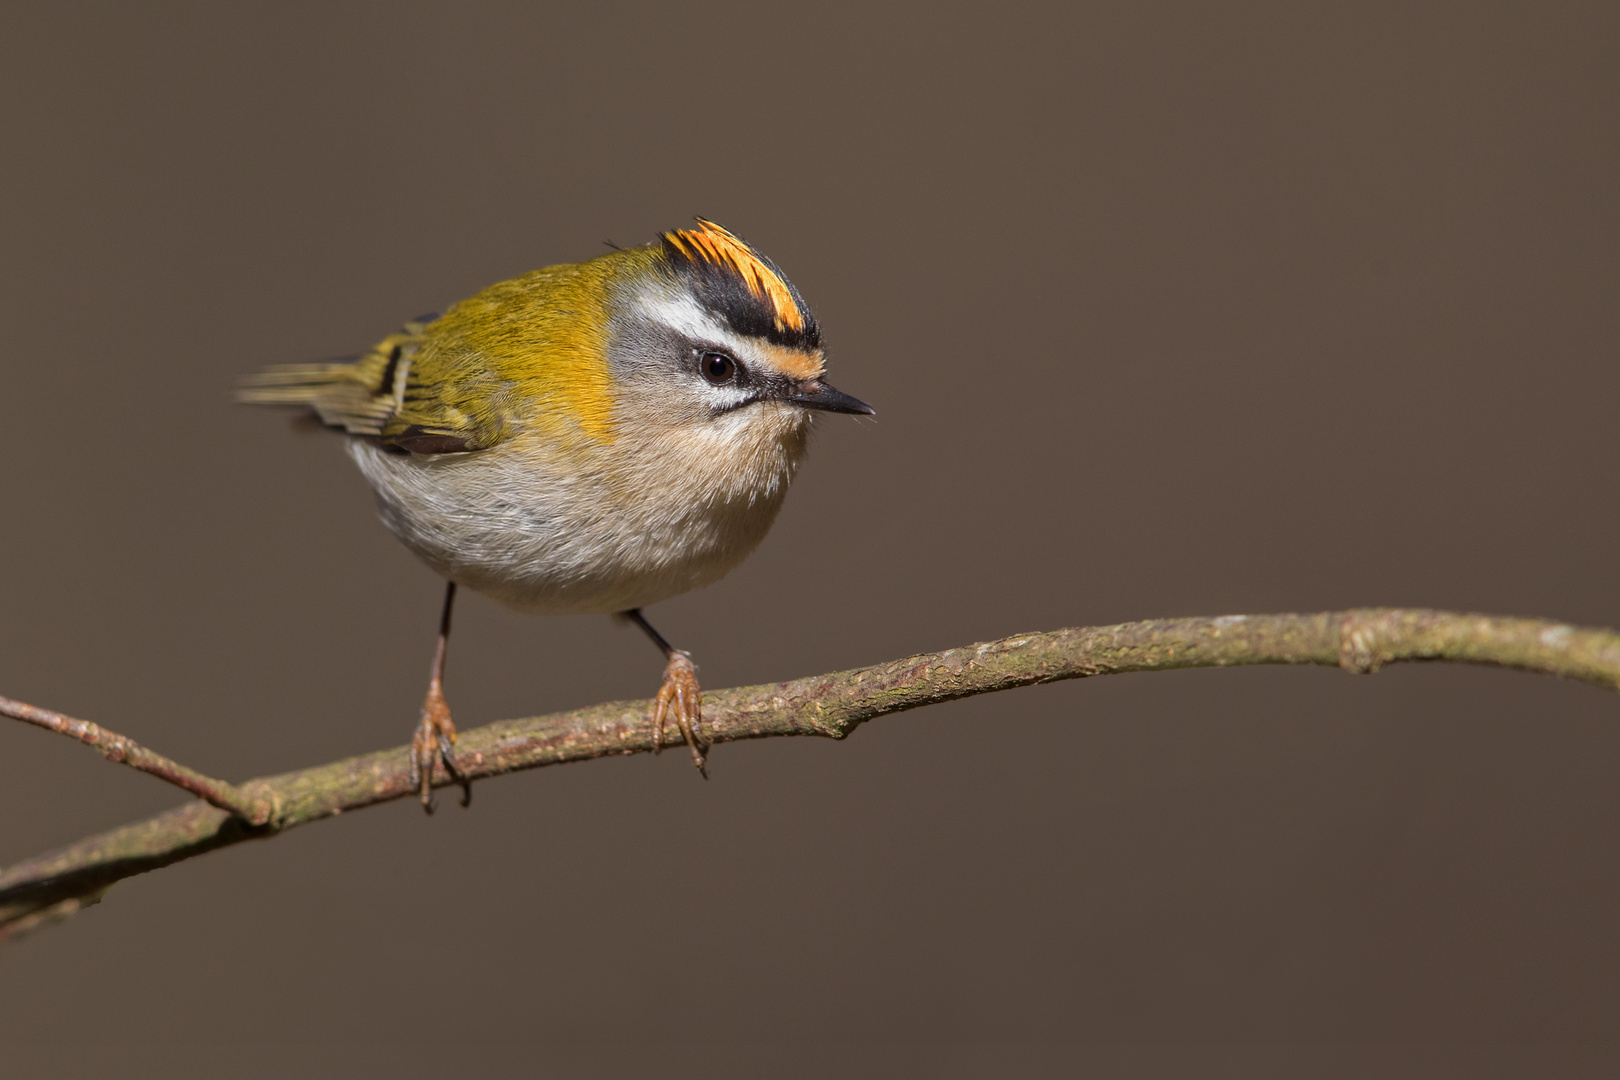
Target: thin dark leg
{"x":437,"y":732}
{"x":635,"y":616}
{"x":438,"y":680}
{"x":680,"y":696}
{"x":437,"y":674}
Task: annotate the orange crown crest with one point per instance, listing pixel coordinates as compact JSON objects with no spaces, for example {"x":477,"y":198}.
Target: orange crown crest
{"x":714,"y":245}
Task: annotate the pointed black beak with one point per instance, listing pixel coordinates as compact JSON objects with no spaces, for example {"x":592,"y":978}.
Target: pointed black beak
{"x":816,"y":394}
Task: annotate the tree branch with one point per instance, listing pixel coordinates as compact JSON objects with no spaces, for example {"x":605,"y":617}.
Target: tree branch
{"x":126,"y":751}
{"x":54,"y":886}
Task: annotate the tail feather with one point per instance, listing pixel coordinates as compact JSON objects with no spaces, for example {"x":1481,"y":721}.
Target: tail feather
{"x":358,"y":396}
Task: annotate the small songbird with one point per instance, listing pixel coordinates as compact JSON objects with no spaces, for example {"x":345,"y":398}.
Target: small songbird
{"x":586,"y":438}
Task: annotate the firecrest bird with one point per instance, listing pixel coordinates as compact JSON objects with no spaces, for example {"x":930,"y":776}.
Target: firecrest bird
{"x":587,"y":438}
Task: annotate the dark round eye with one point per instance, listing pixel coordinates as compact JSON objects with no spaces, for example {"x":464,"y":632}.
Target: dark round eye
{"x":717,"y":367}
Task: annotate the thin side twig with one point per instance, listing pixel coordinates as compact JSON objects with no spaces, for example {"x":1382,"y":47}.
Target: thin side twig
{"x":126,"y":751}
{"x":51,"y":887}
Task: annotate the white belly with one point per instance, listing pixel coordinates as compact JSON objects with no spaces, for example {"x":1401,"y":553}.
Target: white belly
{"x":603,"y":531}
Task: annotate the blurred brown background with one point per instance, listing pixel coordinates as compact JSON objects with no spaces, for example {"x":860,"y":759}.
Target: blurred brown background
{"x":1166,"y":310}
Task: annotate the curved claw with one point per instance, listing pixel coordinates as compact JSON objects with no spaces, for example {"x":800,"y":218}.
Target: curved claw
{"x":451,"y":766}
{"x":682,"y":698}
{"x":433,"y":741}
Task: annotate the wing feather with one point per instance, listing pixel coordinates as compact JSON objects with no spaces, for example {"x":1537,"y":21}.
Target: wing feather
{"x":379,"y":394}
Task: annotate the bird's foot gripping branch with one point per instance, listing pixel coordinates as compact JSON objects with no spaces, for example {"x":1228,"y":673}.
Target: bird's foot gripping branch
{"x":53,"y":886}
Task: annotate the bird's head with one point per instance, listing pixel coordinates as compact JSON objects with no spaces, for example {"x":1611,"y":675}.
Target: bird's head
{"x":706,"y":332}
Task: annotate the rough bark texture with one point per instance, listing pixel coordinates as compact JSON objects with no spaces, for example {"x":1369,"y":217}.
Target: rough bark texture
{"x":54,"y":886}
